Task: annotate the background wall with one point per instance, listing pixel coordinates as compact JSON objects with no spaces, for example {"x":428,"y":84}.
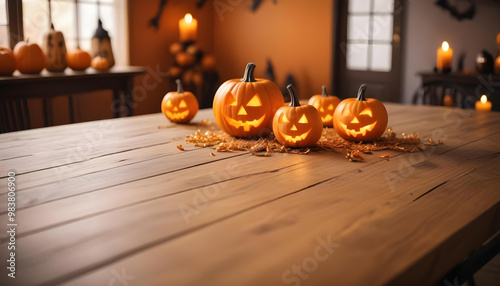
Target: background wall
{"x":295,"y":34}
{"x":427,"y":26}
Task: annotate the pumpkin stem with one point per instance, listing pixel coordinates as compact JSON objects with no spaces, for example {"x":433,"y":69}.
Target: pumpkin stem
{"x":295,"y":101}
{"x":323,"y":93}
{"x":361,"y":93}
{"x":52,"y":26}
{"x":179,"y":86}
{"x":248,"y":77}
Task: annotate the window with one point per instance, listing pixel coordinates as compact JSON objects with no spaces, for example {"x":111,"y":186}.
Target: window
{"x":113,"y":14}
{"x":369,"y":35}
{"x":4,"y":26}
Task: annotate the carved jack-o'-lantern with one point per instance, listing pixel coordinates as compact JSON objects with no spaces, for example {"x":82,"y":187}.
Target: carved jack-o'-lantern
{"x":245,"y":107}
{"x":326,"y":105}
{"x":180,"y":106}
{"x":54,"y":47}
{"x":360,"y":119}
{"x":296,"y":125}
{"x":101,"y":44}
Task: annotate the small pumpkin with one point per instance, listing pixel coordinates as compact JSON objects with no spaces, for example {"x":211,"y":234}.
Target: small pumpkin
{"x":360,"y":119}
{"x":326,"y":105}
{"x":100,"y":63}
{"x":208,"y":62}
{"x":78,"y":59}
{"x":7,"y":61}
{"x":497,"y":65}
{"x":245,"y":107}
{"x":184,"y":59}
{"x":29,"y":57}
{"x":54,"y":47}
{"x":297,"y":125}
{"x":448,"y":100}
{"x":180,"y":106}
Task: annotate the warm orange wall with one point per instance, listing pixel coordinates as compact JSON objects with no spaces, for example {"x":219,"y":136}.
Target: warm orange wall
{"x":149,"y":47}
{"x":295,"y":34}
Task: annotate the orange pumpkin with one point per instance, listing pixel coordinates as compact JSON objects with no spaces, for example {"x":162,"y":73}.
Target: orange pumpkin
{"x":29,"y":57}
{"x":497,"y":65}
{"x":78,"y":59}
{"x":100,"y":63}
{"x":184,"y":59}
{"x":7,"y":61}
{"x":360,"y":119}
{"x":180,"y":106}
{"x":245,"y":107}
{"x":448,"y":100}
{"x":297,"y":125}
{"x":326,"y":105}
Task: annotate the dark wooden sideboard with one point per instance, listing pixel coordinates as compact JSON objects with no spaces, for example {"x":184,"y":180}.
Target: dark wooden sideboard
{"x":16,"y":89}
{"x":465,"y":88}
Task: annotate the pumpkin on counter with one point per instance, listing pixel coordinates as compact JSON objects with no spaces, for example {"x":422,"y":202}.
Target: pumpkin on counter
{"x":180,"y":106}
{"x":326,"y":105}
{"x":297,"y":125}
{"x":100,"y":63}
{"x":78,"y":59}
{"x":245,"y":107}
{"x":29,"y":57}
{"x":360,"y":119}
{"x":54,"y":47}
{"x":7,"y":61}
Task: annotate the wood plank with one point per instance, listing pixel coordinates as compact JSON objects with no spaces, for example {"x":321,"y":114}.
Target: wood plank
{"x":330,"y":201}
{"x":372,"y":245}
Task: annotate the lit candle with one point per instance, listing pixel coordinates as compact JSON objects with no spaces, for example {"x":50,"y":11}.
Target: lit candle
{"x":483,"y":104}
{"x":497,"y":65}
{"x":187,"y":28}
{"x":444,"y":57}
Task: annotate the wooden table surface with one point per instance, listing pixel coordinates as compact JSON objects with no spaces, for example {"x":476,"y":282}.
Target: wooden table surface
{"x":114,"y":202}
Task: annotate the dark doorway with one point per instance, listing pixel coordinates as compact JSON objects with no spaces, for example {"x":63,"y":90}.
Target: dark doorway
{"x":368,"y":48}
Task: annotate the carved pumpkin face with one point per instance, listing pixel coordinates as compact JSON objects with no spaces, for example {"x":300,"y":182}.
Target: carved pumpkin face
{"x":360,"y":119}
{"x":296,"y":125}
{"x":245,"y":108}
{"x":326,"y":105}
{"x":180,"y":106}
{"x":54,"y":47}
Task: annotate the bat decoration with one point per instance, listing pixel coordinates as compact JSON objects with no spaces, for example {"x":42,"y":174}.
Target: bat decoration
{"x":270,"y":71}
{"x":256,"y":4}
{"x":155,"y":22}
{"x":459,"y":15}
{"x":200,"y":4}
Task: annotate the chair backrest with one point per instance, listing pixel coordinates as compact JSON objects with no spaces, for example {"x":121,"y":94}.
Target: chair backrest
{"x":434,"y":93}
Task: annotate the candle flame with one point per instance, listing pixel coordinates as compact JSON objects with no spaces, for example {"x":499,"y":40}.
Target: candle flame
{"x":484,"y":99}
{"x":188,"y":18}
{"x":445,"y":46}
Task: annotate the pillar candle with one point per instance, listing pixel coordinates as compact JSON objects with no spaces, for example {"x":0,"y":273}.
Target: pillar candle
{"x":483,"y":104}
{"x":444,"y":57}
{"x":187,"y":28}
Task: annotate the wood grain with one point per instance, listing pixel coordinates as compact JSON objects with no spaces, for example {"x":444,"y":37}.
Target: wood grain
{"x":187,"y":218}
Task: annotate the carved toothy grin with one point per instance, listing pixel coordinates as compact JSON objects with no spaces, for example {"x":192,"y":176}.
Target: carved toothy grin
{"x":362,"y":130}
{"x":177,"y":115}
{"x":295,"y":139}
{"x":245,"y":124}
{"x":327,"y":119}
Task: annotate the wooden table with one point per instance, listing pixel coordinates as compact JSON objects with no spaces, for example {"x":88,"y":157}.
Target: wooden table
{"x":114,"y":202}
{"x":49,"y":84}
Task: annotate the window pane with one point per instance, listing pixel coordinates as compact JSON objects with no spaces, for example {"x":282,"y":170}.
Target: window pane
{"x":4,"y":36}
{"x":35,"y":20}
{"x":382,"y":27}
{"x":358,"y":27}
{"x":357,"y":6}
{"x":87,"y":16}
{"x":383,"y":6}
{"x":3,"y":13}
{"x":357,"y":56}
{"x":381,"y":59}
{"x":63,"y":17}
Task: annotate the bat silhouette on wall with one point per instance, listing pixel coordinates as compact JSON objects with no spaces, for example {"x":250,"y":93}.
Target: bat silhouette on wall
{"x":255,"y":4}
{"x":459,"y":15}
{"x":155,"y":21}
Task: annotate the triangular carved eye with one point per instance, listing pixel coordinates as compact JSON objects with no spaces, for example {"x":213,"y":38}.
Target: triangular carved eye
{"x":255,"y":101}
{"x":330,"y":107}
{"x":367,"y":111}
{"x":284,"y":119}
{"x":182,"y":104}
{"x":303,"y":119}
{"x":230,"y":99}
{"x":169,"y":103}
